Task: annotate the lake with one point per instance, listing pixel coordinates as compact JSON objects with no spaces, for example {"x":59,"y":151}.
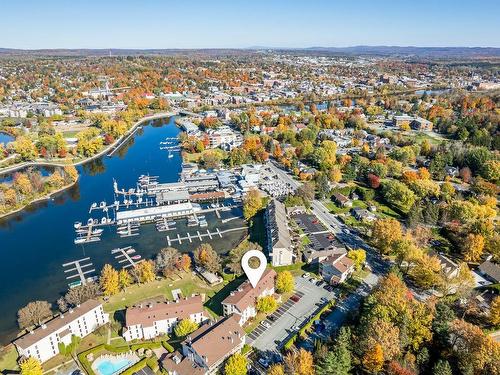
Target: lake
{"x":36,"y":242}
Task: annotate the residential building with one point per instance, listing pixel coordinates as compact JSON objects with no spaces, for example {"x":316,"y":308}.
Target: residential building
{"x":342,"y":200}
{"x":490,"y":271}
{"x":336,"y":268}
{"x":242,"y":302}
{"x":43,"y":342}
{"x":151,"y":319}
{"x":362,"y":214}
{"x":206,"y":349}
{"x":415,"y":122}
{"x":279,"y":243}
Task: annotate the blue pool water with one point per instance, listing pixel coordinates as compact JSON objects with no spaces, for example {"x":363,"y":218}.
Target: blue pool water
{"x":110,"y":366}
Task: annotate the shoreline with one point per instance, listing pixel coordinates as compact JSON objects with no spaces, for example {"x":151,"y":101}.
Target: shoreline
{"x":111,"y":147}
{"x":39,"y":199}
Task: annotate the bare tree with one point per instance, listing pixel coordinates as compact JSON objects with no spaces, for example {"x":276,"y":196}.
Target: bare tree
{"x":62,"y":304}
{"x":33,"y":313}
{"x":166,"y":260}
{"x":82,"y":293}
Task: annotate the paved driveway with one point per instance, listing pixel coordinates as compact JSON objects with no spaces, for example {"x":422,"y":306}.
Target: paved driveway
{"x":293,"y":314}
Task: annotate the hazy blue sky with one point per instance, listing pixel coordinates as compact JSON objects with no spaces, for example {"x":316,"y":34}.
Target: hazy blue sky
{"x":239,"y":23}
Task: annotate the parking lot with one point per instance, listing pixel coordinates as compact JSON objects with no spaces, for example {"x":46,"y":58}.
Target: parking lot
{"x":289,"y":317}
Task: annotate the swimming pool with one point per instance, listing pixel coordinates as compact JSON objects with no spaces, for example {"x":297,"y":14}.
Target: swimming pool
{"x":110,"y":366}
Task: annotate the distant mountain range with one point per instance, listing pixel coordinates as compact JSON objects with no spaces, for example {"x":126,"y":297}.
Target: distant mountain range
{"x":433,"y":52}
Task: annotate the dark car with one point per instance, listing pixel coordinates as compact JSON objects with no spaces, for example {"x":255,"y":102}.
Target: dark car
{"x":295,"y":298}
{"x":272,"y":318}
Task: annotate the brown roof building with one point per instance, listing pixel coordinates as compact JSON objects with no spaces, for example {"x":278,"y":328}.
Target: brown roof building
{"x":242,"y":301}
{"x":150,"y":319}
{"x":206,"y":348}
{"x":336,"y":268}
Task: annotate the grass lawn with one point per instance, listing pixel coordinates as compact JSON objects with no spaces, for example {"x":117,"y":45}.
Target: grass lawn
{"x":70,"y":134}
{"x":8,"y":359}
{"x":334,"y":209}
{"x":214,"y":303}
{"x":191,"y":157}
{"x":385,"y":211}
{"x":188,"y":283}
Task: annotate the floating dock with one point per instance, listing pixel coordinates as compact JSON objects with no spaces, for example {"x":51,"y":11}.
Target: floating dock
{"x":80,"y":266}
{"x":190,"y":237}
{"x":123,"y":257}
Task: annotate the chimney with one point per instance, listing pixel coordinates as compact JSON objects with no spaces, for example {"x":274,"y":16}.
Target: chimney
{"x":62,"y":316}
{"x":31,"y":332}
{"x":70,"y":311}
{"x":44,"y":326}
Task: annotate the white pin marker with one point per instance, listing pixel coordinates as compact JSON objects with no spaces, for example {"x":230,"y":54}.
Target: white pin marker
{"x":254,"y":274}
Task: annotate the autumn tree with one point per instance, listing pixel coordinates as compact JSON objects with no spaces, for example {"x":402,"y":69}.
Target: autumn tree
{"x":205,"y":256}
{"x":33,"y":314}
{"x":166,"y":261}
{"x":236,"y":254}
{"x":285,"y":283}
{"x":109,"y":280}
{"x":299,"y":363}
{"x":494,"y":315}
{"x":385,"y":232}
{"x":276,"y":370}
{"x":124,"y":279}
{"x":252,"y":203}
{"x":442,"y":367}
{"x":31,"y":366}
{"x":472,"y":247}
{"x":236,"y":365}
{"x":78,"y":295}
{"x":373,"y":359}
{"x":185,"y":327}
{"x":144,"y":271}
{"x":358,"y":257}
{"x":184,"y":263}
{"x":398,"y":195}
{"x":266,"y":304}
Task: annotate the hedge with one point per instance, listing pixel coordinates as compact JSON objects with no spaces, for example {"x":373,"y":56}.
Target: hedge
{"x":167,"y":346}
{"x":310,"y":322}
{"x":290,"y":342}
{"x":146,"y":345}
{"x":295,"y":266}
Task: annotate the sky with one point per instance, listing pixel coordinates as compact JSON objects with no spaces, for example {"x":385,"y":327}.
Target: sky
{"x":142,"y":24}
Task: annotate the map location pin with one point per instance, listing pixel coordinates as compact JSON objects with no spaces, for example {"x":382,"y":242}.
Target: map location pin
{"x":254,"y":274}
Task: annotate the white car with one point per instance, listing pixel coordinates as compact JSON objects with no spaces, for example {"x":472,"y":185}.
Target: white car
{"x":306,"y":275}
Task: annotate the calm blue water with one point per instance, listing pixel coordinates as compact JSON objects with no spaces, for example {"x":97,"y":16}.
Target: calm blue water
{"x":109,"y":366}
{"x":35,"y":243}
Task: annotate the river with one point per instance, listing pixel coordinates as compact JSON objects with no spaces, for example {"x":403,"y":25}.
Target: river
{"x":37,"y":241}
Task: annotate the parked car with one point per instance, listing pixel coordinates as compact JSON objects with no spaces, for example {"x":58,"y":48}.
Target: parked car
{"x":306,"y":275}
{"x":320,"y":283}
{"x":272,"y":318}
{"x":265,"y":323}
{"x":312,"y":280}
{"x":264,"y":362}
{"x":295,"y":298}
{"x":295,"y":328}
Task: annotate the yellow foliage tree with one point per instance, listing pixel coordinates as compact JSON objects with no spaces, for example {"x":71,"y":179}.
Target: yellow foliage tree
{"x":473,"y":247}
{"x":385,"y":232}
{"x":109,"y":280}
{"x":373,"y":360}
{"x":145,"y":271}
{"x":495,"y":311}
{"x":31,"y":366}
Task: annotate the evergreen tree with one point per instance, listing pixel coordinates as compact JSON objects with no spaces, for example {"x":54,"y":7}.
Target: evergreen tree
{"x":442,"y":367}
{"x":337,"y":361}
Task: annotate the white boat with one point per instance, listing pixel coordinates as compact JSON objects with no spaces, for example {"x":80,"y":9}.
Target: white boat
{"x":203,"y":224}
{"x":130,"y":251}
{"x":77,"y":225}
{"x":201,"y":217}
{"x":96,"y":232}
{"x":80,"y":240}
{"x":94,"y":205}
{"x":90,"y":221}
{"x":104,"y":220}
{"x":136,"y":257}
{"x":170,"y":156}
{"x":102,"y":204}
{"x":171,"y":223}
{"x":121,"y":232}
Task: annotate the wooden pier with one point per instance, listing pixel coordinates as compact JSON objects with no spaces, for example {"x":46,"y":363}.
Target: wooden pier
{"x":189,"y":237}
{"x":122,"y":256}
{"x":79,"y":266}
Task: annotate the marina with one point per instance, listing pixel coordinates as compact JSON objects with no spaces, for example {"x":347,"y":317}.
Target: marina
{"x":33,"y":266}
{"x":200,"y":236}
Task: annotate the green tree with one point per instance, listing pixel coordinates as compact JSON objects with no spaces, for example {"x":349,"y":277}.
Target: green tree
{"x":236,"y":365}
{"x":338,"y":360}
{"x":285,"y":283}
{"x":205,"y":256}
{"x":185,"y":327}
{"x":442,"y":367}
{"x":25,"y":148}
{"x":398,"y":195}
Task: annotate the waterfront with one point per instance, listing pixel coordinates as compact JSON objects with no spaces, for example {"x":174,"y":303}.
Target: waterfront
{"x":37,"y":241}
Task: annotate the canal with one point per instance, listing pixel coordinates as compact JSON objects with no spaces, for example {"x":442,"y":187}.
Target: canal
{"x":37,"y":241}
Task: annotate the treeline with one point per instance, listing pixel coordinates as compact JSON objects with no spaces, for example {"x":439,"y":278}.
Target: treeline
{"x":28,"y":186}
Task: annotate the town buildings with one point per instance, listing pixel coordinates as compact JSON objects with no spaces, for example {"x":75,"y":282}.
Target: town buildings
{"x":206,"y":349}
{"x":336,"y":268}
{"x":242,"y":302}
{"x":415,"y":122}
{"x":279,"y":243}
{"x":43,"y":342}
{"x":151,"y":319}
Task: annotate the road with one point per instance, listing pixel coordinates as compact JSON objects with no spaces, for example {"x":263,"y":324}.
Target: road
{"x":378,"y":266}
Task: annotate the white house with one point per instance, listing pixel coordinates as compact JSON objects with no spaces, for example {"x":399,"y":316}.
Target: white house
{"x":43,"y":342}
{"x":242,"y":302}
{"x":150,"y":319}
{"x":336,"y":268}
